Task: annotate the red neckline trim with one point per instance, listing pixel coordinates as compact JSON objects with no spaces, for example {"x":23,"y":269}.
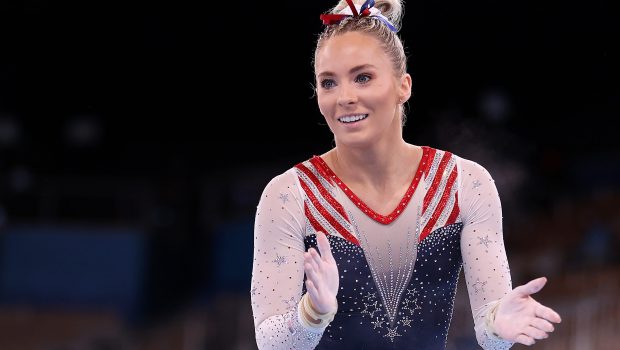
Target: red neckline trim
{"x":383,"y":219}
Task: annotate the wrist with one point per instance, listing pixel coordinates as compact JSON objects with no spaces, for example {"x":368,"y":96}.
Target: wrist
{"x":490,"y":320}
{"x":312,"y":317}
{"x":313,"y":309}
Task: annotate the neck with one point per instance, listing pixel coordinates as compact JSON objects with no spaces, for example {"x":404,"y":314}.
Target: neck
{"x":376,"y":166}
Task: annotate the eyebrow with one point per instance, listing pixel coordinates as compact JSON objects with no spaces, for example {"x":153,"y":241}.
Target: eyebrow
{"x":351,"y":71}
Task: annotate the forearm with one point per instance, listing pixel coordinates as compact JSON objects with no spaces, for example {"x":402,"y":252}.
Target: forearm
{"x":485,"y":261}
{"x":288,"y":331}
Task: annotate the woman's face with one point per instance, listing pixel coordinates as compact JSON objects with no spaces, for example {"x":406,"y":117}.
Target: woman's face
{"x":357,"y":90}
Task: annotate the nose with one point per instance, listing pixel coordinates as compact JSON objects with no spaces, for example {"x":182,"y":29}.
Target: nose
{"x":347,"y":95}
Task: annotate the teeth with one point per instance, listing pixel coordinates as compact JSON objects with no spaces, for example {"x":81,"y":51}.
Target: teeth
{"x":352,"y":118}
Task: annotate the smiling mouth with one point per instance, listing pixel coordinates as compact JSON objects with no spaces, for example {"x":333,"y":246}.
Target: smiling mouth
{"x":348,"y":119}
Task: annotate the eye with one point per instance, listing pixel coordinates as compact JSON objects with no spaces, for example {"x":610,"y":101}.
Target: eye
{"x":327,"y":83}
{"x":362,"y":78}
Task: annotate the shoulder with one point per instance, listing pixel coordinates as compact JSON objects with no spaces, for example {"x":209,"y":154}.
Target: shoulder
{"x":281,"y":180}
{"x":287,"y":180}
{"x":467,"y":167}
{"x":470,"y":165}
{"x":463,"y":163}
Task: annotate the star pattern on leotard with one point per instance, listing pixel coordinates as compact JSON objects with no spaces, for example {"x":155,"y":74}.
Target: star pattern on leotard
{"x":413,"y":302}
{"x":378,"y":323}
{"x":484,"y":240}
{"x":477,"y":183}
{"x":392,"y":333}
{"x":370,"y":296}
{"x":279,"y":260}
{"x":406,"y":321}
{"x":479,"y":286}
{"x":370,"y":312}
{"x":283,"y":197}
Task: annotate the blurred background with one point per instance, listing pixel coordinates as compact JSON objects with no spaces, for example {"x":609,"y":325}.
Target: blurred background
{"x":137,"y":137}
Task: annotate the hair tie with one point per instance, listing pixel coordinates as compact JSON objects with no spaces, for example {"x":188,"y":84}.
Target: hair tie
{"x":366,"y":10}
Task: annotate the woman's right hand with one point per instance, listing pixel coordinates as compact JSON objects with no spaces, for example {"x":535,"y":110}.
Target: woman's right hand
{"x":322,"y":278}
{"x":522,"y":319}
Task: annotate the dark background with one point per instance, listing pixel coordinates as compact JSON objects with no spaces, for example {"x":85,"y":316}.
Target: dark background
{"x":136,"y":138}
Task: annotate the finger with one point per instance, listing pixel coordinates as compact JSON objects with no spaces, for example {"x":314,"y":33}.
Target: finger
{"x":531,"y":287}
{"x":309,"y":260}
{"x":525,"y":340}
{"x":543,"y":325}
{"x":324,"y":246}
{"x":535,"y":333}
{"x":316,"y":258}
{"x":311,"y":274}
{"x":313,"y":258}
{"x":547,"y":313}
{"x":313,"y":292}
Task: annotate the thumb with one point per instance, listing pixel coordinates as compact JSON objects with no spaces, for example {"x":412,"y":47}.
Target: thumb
{"x":531,"y":287}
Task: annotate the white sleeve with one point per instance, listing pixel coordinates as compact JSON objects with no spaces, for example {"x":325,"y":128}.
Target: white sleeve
{"x":277,"y":271}
{"x":485,"y":264}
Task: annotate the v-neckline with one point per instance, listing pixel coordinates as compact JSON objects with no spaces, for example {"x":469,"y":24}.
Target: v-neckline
{"x":320,"y":163}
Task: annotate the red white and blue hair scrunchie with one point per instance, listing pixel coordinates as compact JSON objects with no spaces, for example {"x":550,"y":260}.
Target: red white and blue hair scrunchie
{"x":366,"y":10}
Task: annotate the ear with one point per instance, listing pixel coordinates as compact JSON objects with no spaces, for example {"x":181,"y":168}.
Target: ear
{"x":405,"y":88}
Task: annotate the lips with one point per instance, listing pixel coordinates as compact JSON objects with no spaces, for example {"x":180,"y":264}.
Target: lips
{"x":352,"y":118}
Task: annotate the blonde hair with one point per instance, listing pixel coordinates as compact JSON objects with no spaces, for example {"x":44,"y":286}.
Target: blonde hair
{"x":390,"y":41}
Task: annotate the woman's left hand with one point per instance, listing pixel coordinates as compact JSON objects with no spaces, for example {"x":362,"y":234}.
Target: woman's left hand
{"x":521,"y":319}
